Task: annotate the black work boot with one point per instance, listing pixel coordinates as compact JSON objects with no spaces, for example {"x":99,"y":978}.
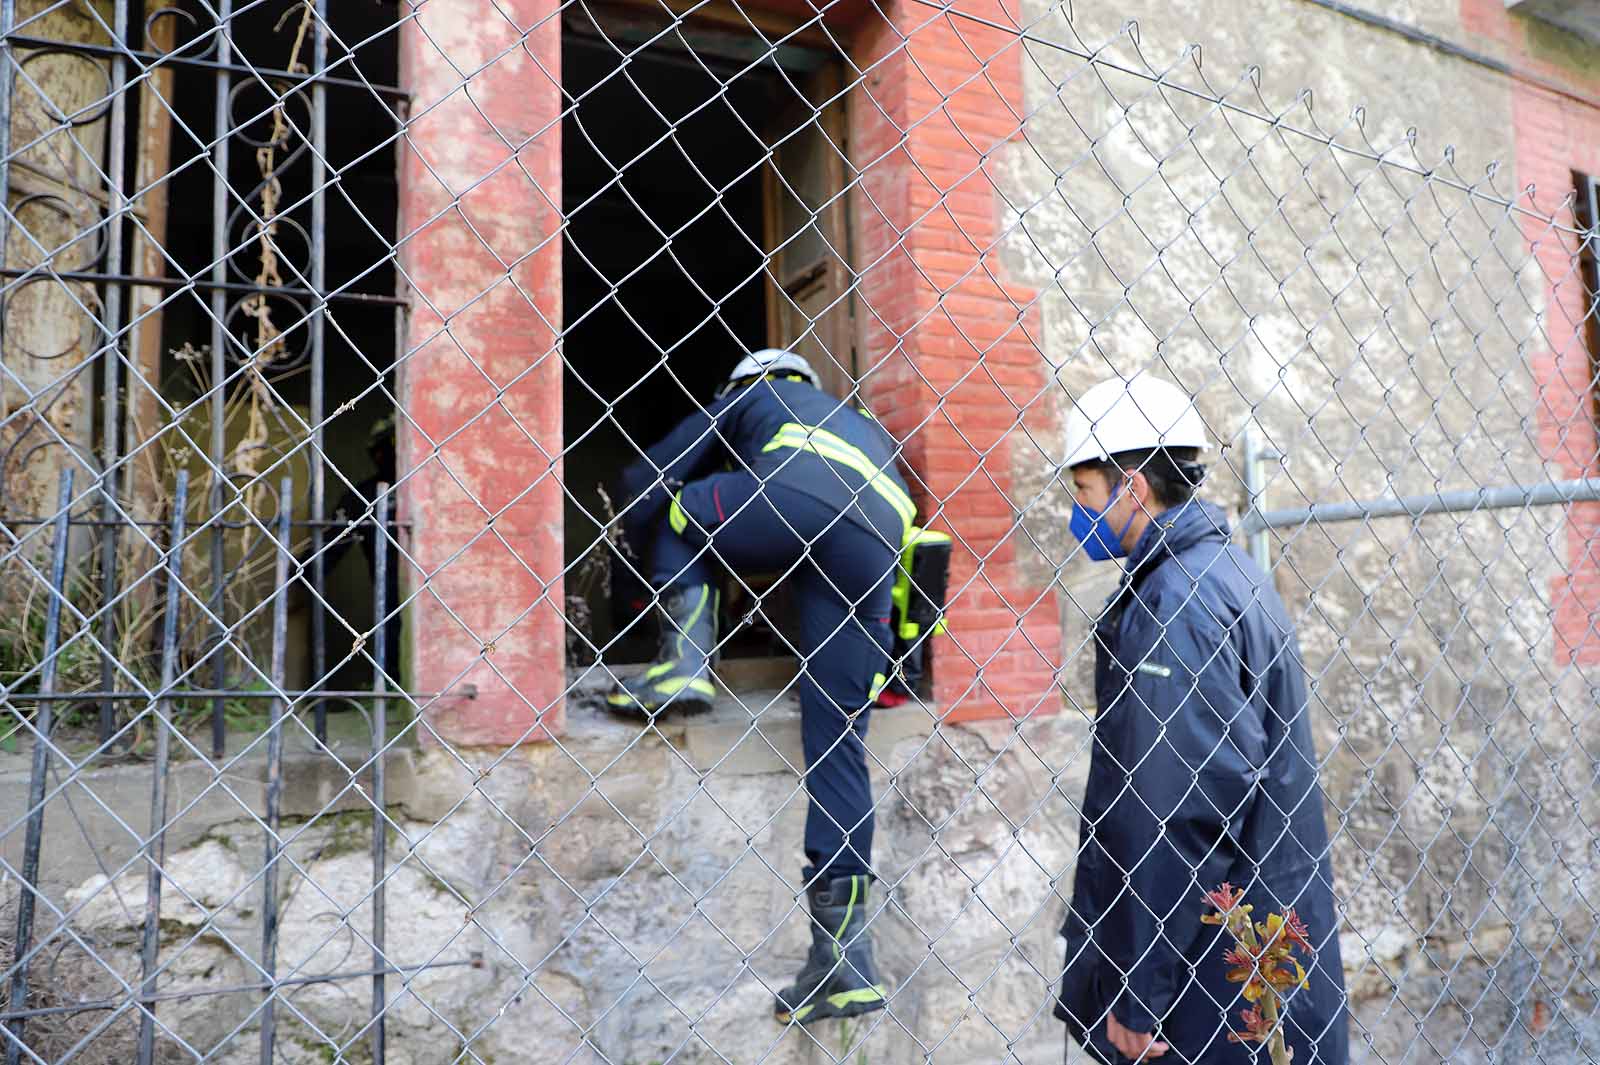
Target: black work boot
{"x":680,"y":680}
{"x":839,"y":978}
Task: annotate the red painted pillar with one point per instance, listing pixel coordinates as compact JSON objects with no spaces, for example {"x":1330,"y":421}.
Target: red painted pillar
{"x":480,"y":371}
{"x":953,"y":346}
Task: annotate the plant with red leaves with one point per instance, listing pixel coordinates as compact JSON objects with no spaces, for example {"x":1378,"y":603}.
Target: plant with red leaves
{"x":1262,"y":959}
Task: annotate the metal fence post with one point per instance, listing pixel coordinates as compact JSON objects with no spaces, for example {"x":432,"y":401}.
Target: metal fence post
{"x":269,"y":878}
{"x":44,"y":720}
{"x":380,"y":739}
{"x":1257,"y":453}
{"x":111,"y":352}
{"x":155,"y":843}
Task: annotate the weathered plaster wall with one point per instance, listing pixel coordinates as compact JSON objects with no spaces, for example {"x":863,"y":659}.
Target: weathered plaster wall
{"x":1389,"y":334}
{"x":55,"y":195}
{"x":626,"y":899}
{"x":480,"y":381}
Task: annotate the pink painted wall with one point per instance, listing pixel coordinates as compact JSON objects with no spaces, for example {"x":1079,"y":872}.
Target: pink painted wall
{"x":480,"y":376}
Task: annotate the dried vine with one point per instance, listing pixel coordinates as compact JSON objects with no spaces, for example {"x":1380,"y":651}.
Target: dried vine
{"x":269,"y":345}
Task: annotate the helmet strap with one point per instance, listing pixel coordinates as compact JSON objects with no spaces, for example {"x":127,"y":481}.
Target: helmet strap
{"x":745,"y":382}
{"x":1192,"y":472}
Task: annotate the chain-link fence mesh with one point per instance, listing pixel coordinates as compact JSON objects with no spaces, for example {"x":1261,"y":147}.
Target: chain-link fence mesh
{"x":330,"y":331}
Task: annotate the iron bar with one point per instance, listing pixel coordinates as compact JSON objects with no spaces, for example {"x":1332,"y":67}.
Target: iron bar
{"x":319,"y":284}
{"x":110,"y":351}
{"x":184,"y":994}
{"x":8,"y":18}
{"x":131,"y":523}
{"x":178,"y":283}
{"x":380,"y":738}
{"x":43,"y":723}
{"x":155,"y":844}
{"x":269,"y":877}
{"x":209,"y":693}
{"x":221,"y":194}
{"x":148,"y":59}
{"x":1552,"y":493}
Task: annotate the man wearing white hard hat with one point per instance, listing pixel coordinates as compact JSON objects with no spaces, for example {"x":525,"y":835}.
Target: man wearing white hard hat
{"x":1203,"y":770}
{"x":777,"y":475}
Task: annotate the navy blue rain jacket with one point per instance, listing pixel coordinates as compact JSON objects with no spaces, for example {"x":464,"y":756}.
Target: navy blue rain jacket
{"x":1203,"y":771}
{"x":736,"y":432}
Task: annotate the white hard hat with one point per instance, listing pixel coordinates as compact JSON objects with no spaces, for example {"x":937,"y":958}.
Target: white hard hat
{"x":1134,"y":415}
{"x":774,"y":360}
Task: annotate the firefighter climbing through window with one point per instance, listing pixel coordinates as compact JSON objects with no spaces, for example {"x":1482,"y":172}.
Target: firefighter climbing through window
{"x":778,"y":475}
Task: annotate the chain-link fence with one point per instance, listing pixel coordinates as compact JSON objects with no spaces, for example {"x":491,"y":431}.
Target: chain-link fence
{"x":338,"y":341}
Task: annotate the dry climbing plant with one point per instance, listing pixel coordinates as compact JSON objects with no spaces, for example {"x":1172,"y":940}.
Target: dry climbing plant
{"x":269,"y":345}
{"x":1262,"y":958}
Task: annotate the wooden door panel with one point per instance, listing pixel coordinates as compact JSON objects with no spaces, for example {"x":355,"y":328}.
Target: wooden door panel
{"x":807,"y":232}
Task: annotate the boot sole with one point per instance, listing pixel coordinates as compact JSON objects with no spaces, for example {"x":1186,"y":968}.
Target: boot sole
{"x":632,"y":708}
{"x":836,"y":1007}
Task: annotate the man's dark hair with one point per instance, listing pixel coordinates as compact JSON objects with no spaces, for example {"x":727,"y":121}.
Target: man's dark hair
{"x":1173,"y":472}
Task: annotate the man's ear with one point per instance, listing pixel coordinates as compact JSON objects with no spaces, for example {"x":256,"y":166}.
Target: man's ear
{"x":1138,"y":486}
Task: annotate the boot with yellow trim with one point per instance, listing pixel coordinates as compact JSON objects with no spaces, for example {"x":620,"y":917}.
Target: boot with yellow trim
{"x":839,"y":978}
{"x":680,"y":680}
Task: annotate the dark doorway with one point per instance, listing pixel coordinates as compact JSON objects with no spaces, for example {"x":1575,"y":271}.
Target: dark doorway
{"x":666,"y":201}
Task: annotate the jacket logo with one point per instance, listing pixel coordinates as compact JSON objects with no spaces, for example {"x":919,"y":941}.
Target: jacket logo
{"x":1153,"y":669}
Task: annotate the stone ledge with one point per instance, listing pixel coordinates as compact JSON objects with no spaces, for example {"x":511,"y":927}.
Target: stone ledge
{"x":745,"y":734}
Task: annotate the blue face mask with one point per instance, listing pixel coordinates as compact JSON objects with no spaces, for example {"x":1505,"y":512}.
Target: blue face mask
{"x":1089,"y":526}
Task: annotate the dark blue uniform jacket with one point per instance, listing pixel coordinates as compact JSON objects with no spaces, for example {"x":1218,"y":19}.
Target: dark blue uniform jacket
{"x":1203,"y":771}
{"x":752,"y":429}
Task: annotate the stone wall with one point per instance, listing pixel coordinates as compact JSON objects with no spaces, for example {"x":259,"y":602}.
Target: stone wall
{"x":632,"y":899}
{"x":616,"y":898}
{"x":1389,"y":333}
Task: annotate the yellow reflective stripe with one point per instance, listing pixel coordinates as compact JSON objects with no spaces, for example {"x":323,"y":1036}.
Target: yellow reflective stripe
{"x":674,"y":685}
{"x":848,"y":910}
{"x":875,"y":993}
{"x":879,"y":682}
{"x":665,"y":690}
{"x":836,"y":449}
{"x":900,"y":592}
{"x":699,"y":608}
{"x":676,"y":516}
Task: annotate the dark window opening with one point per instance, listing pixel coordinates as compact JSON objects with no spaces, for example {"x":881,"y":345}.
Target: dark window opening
{"x":1587,"y":207}
{"x":669,"y":208}
{"x":354,"y":241}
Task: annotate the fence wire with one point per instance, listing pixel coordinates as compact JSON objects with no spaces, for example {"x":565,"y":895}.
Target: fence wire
{"x":290,"y":284}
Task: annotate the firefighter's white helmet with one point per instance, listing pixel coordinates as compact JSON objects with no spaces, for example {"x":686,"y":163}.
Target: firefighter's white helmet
{"x":1136,"y":414}
{"x":774,"y":360}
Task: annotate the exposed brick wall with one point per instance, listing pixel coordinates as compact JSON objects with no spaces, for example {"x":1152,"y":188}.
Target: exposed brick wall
{"x":484,"y":397}
{"x":1556,"y":134}
{"x":952,"y":357}
{"x":952,"y":346}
